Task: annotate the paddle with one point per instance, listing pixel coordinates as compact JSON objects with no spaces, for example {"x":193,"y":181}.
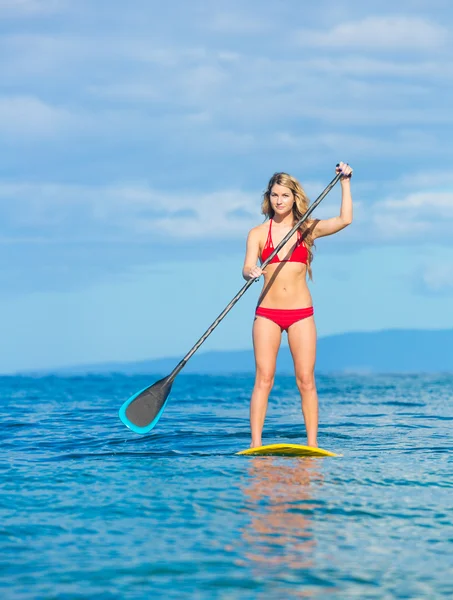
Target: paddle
{"x":142,"y":411}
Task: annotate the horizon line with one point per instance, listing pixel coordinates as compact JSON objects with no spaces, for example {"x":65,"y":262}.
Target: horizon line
{"x":106,"y":363}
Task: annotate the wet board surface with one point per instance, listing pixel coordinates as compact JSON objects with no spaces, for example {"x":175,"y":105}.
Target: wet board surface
{"x":286,"y":450}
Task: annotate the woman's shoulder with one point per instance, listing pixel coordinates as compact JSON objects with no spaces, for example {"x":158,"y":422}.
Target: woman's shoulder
{"x":259,"y":229}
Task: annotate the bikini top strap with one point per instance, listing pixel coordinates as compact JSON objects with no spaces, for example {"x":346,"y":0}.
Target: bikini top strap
{"x":269,"y":243}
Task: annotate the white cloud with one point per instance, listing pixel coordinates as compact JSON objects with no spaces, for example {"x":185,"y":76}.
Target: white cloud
{"x":137,"y":211}
{"x":428,"y":179}
{"x":405,"y":142}
{"x":417,"y":217}
{"x":257,"y":89}
{"x":28,"y":55}
{"x":235,"y":22}
{"x":381,"y":33}
{"x":116,"y":212}
{"x":414,"y":217}
{"x":134,"y":92}
{"x":387,"y":226}
{"x":430,"y":204}
{"x":28,"y":7}
{"x":75,"y":57}
{"x":364,"y":66}
{"x":201,"y":97}
{"x":240,"y":89}
{"x":435,"y":279}
{"x":26,"y":116}
{"x":31,"y":118}
{"x":372,"y":115}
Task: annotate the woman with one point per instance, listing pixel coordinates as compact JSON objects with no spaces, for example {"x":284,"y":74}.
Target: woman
{"x":285,"y":302}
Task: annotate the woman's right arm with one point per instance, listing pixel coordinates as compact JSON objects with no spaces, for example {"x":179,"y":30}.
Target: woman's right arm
{"x":250,"y":270}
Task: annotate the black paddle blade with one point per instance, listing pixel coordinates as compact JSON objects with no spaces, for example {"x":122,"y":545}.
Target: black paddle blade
{"x":142,"y":411}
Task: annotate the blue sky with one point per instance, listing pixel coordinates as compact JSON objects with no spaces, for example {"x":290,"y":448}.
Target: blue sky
{"x":137,"y":139}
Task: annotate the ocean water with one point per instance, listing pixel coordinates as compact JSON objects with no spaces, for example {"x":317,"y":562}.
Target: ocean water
{"x":92,"y":510}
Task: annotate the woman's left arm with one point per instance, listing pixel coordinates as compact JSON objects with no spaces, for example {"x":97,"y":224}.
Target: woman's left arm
{"x":329,"y":226}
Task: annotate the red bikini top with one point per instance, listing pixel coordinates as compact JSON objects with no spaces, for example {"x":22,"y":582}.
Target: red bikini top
{"x":299,"y":254}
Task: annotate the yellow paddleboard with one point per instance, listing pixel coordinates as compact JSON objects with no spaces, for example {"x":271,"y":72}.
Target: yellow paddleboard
{"x":286,"y":450}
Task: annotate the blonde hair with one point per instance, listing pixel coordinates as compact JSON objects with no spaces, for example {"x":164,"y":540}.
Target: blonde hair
{"x":300,"y":207}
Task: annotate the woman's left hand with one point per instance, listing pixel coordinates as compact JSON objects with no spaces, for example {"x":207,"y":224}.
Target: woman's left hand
{"x":344,"y":169}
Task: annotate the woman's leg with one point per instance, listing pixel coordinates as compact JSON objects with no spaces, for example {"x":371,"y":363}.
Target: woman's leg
{"x":266,"y":342}
{"x":302,"y":343}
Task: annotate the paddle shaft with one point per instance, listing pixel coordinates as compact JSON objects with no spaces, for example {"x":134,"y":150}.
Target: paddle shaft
{"x":242,"y":291}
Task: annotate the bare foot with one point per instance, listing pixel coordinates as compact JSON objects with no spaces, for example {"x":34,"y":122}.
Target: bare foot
{"x":255,"y":444}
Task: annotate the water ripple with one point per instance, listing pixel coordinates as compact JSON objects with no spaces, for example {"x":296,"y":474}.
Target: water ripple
{"x":93,"y":510}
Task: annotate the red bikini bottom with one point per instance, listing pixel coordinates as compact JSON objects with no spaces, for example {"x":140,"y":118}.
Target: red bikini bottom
{"x":284,"y":318}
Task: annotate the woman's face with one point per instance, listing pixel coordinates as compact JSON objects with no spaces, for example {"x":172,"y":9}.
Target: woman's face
{"x":282,"y":199}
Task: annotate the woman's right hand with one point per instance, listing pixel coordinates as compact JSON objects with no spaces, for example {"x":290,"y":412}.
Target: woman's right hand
{"x":255,"y":273}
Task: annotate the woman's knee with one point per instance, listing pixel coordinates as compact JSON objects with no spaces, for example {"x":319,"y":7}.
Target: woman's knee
{"x":264,"y":379}
{"x":306,"y":381}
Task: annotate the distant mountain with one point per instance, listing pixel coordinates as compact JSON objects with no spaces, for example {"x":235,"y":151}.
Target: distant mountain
{"x":387,"y":351}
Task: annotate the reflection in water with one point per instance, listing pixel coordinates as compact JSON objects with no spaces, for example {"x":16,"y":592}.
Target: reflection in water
{"x":280,"y":537}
